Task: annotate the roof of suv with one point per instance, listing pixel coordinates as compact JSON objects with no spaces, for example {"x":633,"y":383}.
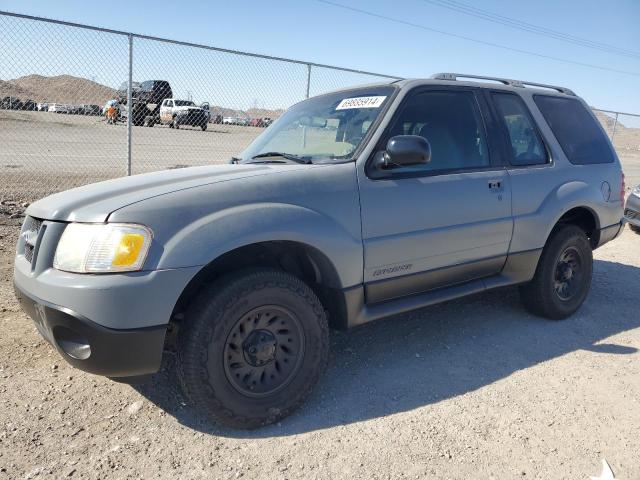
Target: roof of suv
{"x":464,"y":79}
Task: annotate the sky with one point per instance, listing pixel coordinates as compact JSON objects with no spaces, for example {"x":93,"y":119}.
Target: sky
{"x":405,"y":38}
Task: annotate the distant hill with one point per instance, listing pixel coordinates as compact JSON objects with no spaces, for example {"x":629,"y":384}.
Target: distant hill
{"x":59,"y":89}
{"x":251,"y":113}
{"x":608,"y":121}
{"x":8,"y":89}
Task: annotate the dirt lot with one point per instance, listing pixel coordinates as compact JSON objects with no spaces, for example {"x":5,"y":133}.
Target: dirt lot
{"x":474,"y":388}
{"x":42,"y":153}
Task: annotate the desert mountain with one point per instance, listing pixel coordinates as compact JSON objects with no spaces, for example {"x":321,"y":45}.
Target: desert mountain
{"x":59,"y":89}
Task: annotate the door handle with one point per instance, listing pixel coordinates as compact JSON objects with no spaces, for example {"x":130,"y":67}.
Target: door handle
{"x":495,"y":185}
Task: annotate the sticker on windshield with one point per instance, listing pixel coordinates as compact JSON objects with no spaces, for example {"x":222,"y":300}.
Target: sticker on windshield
{"x":361,"y":102}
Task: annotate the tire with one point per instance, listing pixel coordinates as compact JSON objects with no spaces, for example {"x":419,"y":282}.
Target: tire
{"x":149,"y":122}
{"x":203,"y":127}
{"x":563,"y":276}
{"x":252,"y":347}
{"x":635,"y":228}
{"x":174,"y":124}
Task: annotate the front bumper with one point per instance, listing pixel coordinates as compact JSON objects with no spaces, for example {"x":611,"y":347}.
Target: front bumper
{"x":192,"y":118}
{"x":91,"y":347}
{"x":632,"y":210}
{"x":108,"y":324}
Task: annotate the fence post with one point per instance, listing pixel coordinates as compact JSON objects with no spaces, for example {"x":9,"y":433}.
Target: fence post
{"x":615,"y":124}
{"x":308,"y":79}
{"x":129,"y":107}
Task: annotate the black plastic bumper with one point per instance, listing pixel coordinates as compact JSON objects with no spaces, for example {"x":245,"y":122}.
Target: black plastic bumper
{"x":94,"y":348}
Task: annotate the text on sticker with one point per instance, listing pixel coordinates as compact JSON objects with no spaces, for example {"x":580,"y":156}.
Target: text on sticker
{"x":361,"y":102}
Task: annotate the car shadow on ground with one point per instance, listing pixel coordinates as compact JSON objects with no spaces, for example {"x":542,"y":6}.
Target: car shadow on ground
{"x":409,"y":361}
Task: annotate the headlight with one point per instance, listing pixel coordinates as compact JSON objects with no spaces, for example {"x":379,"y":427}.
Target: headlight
{"x":102,"y":248}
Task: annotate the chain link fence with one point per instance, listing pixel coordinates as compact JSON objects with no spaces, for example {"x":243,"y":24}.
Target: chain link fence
{"x":624,"y":131}
{"x":79,"y":104}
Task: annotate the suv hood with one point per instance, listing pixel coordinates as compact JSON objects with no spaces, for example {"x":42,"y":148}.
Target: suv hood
{"x":95,"y":202}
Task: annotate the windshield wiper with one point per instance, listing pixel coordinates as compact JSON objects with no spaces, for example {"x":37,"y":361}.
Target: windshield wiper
{"x":288,"y":156}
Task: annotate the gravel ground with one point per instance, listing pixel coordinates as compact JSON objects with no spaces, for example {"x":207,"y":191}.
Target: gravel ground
{"x":474,"y":388}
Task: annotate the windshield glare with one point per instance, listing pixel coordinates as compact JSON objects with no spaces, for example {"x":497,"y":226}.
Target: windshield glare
{"x":329,"y":126}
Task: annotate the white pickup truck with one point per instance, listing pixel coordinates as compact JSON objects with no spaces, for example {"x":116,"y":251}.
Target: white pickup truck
{"x":175,"y":112}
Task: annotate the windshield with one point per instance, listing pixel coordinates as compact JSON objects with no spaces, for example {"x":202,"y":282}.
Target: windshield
{"x":184,"y":103}
{"x":329,"y":126}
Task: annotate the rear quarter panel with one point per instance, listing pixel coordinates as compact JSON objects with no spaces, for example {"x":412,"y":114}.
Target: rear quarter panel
{"x":542,"y":194}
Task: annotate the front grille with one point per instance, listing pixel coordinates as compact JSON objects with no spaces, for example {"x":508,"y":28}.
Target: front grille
{"x":630,"y":214}
{"x":30,"y":231}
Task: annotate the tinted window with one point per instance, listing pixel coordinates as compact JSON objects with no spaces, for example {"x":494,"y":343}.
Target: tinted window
{"x":526,"y":145}
{"x":452,"y":124}
{"x":580,"y":137}
{"x":147,"y":86}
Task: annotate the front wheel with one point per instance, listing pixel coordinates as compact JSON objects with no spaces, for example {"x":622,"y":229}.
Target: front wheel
{"x":563,"y":276}
{"x":252,"y":347}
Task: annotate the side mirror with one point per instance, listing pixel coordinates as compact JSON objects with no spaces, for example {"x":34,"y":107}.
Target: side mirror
{"x":406,"y":150}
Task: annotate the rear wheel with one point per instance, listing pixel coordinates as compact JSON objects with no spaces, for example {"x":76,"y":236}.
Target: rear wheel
{"x":203,"y":126}
{"x":563,"y":276}
{"x":175,"y":124}
{"x":252,"y":347}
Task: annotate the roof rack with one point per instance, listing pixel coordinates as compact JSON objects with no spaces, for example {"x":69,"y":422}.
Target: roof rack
{"x":505,"y":81}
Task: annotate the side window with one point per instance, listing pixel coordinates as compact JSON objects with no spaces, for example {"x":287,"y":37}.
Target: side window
{"x":581,"y":138}
{"x":526,"y":145}
{"x":451,"y":123}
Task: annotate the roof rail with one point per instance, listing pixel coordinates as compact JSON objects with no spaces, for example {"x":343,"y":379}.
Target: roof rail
{"x":505,"y":81}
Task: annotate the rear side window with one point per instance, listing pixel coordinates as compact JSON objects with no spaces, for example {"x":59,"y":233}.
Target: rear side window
{"x":526,"y":145}
{"x":580,"y":137}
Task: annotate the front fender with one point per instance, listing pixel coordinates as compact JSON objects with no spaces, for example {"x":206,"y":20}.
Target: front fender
{"x":205,"y":239}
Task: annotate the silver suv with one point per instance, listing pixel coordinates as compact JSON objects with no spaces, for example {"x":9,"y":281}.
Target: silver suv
{"x":353,"y":206}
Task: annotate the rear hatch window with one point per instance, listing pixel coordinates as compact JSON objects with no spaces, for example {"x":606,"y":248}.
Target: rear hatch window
{"x":581,"y":138}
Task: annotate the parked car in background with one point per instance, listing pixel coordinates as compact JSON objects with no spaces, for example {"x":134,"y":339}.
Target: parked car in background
{"x":90,"y":109}
{"x":147,"y":97}
{"x":29,"y":105}
{"x":11,"y":103}
{"x":42,"y":107}
{"x":174,"y":112}
{"x":217,"y":119}
{"x":74,"y":109}
{"x":58,"y":108}
{"x":632,"y":210}
{"x":257,"y":122}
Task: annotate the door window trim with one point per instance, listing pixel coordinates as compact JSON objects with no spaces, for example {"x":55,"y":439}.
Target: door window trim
{"x":375,"y":174}
{"x":504,"y":132}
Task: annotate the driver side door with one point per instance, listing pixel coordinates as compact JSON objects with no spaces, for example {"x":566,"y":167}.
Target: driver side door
{"x":442,"y":223}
